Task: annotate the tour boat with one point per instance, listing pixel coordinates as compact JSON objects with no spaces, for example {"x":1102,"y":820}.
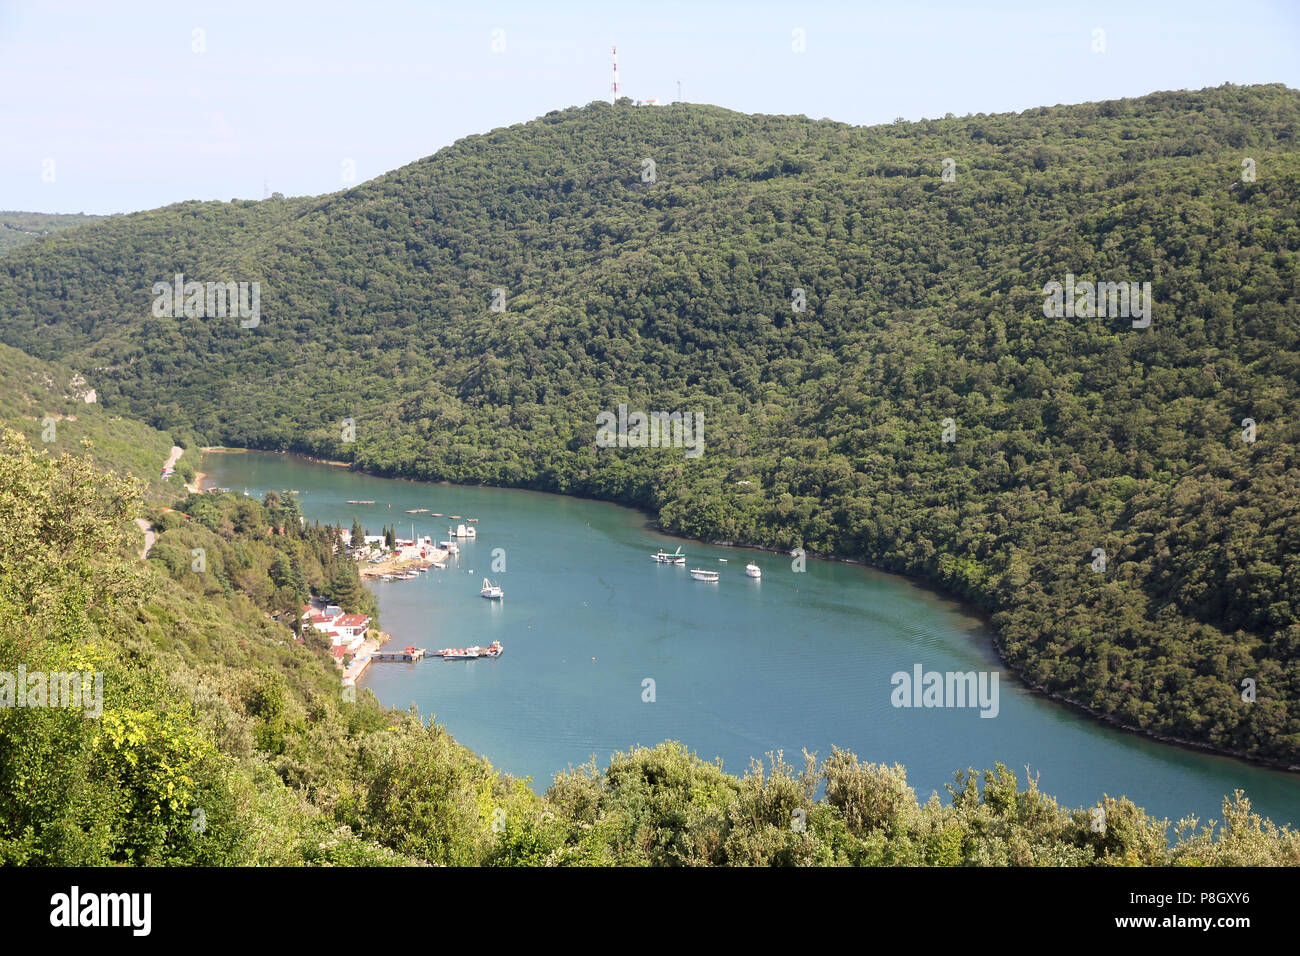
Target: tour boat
{"x":663,"y":557}
{"x":753,"y":570}
{"x":491,"y":590}
{"x":470,"y":653}
{"x":711,"y":576}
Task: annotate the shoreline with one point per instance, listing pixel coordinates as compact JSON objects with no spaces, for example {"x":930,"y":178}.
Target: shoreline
{"x":964,"y":603}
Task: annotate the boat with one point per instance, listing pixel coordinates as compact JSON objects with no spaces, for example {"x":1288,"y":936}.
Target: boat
{"x":699,"y":575}
{"x":491,"y":590}
{"x":471,"y":519}
{"x":722,"y":560}
{"x":663,"y":557}
{"x":463,"y":532}
{"x":454,"y":517}
{"x":352,"y":501}
{"x":436,"y":514}
{"x":753,"y":570}
{"x":417,"y":511}
{"x":470,"y":653}
{"x":470,"y":532}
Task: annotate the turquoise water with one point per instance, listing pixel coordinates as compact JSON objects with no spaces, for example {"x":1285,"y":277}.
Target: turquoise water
{"x":740,"y":668}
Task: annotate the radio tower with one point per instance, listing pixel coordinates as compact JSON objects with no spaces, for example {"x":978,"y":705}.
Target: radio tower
{"x":615,"y":88}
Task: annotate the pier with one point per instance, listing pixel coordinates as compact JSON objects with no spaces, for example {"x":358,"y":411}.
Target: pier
{"x":409,"y":654}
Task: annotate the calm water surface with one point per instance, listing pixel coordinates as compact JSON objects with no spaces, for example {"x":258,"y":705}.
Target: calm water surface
{"x":740,"y":668}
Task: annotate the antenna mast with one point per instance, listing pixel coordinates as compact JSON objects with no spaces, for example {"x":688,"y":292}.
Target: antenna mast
{"x":614,"y":99}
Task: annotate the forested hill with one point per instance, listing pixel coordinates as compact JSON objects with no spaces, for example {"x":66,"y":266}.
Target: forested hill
{"x":669,"y":285}
{"x":19,"y":228}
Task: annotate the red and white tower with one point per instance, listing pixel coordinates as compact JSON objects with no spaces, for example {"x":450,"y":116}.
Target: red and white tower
{"x":615,"y":88}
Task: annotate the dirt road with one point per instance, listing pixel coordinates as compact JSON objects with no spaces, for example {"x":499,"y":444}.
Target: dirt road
{"x":149,"y":536}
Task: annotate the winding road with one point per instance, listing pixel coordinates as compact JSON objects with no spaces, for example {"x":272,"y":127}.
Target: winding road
{"x":149,"y":536}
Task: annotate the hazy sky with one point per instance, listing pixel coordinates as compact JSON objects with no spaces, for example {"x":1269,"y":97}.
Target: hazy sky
{"x":118,"y":106}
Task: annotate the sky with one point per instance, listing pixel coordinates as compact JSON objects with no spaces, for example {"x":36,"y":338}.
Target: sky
{"x":110,"y":107}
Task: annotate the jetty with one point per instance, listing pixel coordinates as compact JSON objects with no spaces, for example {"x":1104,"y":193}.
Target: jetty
{"x":407,"y":654}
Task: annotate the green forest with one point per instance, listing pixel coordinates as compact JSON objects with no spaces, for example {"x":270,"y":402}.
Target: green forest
{"x":20,"y":228}
{"x":224,"y":741}
{"x":673,"y":286}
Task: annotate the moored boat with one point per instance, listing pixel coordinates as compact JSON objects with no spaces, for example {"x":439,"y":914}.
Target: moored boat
{"x":663,"y":557}
{"x":753,"y":570}
{"x":701,"y":575}
{"x":494,"y":649}
{"x":491,"y":590}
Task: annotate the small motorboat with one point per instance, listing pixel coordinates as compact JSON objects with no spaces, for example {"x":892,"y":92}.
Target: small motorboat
{"x":491,"y":591}
{"x":753,"y":570}
{"x":700,"y":575}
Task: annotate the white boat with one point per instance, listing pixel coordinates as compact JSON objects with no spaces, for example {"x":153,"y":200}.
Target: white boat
{"x":699,"y":575}
{"x":753,"y":570}
{"x":491,"y":590}
{"x":663,"y":557}
{"x":449,"y":545}
{"x":468,"y":531}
